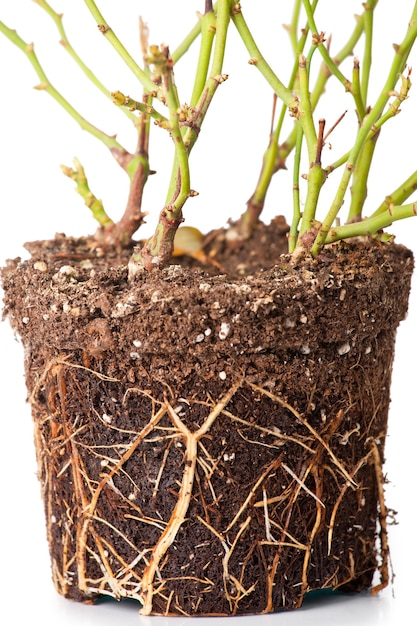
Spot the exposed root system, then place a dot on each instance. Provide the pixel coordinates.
(210, 446)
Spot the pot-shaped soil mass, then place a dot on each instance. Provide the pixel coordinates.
(211, 445)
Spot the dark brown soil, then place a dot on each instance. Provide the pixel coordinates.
(211, 444)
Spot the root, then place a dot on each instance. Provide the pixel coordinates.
(261, 529)
(179, 513)
(310, 428)
(383, 515)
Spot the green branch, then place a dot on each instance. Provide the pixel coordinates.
(121, 100)
(397, 197)
(367, 51)
(372, 225)
(45, 85)
(292, 28)
(356, 91)
(400, 58)
(64, 41)
(319, 40)
(296, 215)
(275, 155)
(260, 63)
(208, 31)
(158, 249)
(90, 200)
(111, 37)
(359, 187)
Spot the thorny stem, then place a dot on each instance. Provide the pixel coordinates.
(346, 51)
(138, 166)
(255, 204)
(271, 157)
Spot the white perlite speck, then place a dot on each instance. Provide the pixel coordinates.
(224, 330)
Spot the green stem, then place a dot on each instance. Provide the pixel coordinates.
(372, 225)
(359, 188)
(215, 75)
(255, 204)
(293, 235)
(280, 153)
(64, 41)
(398, 196)
(336, 164)
(111, 37)
(292, 29)
(305, 109)
(394, 106)
(315, 144)
(90, 200)
(361, 173)
(401, 54)
(208, 30)
(158, 249)
(323, 50)
(121, 100)
(46, 86)
(356, 91)
(347, 50)
(367, 52)
(259, 62)
(187, 42)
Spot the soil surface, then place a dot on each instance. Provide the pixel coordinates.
(211, 444)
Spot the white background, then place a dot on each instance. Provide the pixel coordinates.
(37, 200)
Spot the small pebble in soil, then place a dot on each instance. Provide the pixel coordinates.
(40, 266)
(344, 348)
